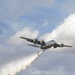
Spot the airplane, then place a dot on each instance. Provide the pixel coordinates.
(44, 45)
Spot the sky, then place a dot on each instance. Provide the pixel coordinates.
(47, 19)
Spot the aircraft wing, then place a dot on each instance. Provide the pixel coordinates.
(62, 45)
(66, 46)
(30, 40)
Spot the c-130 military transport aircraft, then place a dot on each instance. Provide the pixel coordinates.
(44, 45)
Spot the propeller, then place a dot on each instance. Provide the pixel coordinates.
(36, 40)
(55, 45)
(61, 45)
(43, 43)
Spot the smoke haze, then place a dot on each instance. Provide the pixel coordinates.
(16, 66)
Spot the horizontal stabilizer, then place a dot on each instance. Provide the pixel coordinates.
(33, 45)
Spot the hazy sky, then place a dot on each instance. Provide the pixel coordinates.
(50, 19)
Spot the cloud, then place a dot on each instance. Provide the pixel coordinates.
(26, 32)
(13, 9)
(45, 23)
(58, 71)
(69, 6)
(63, 32)
(44, 3)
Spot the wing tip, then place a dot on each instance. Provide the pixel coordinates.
(67, 46)
(21, 37)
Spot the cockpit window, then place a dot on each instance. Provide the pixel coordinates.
(51, 42)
